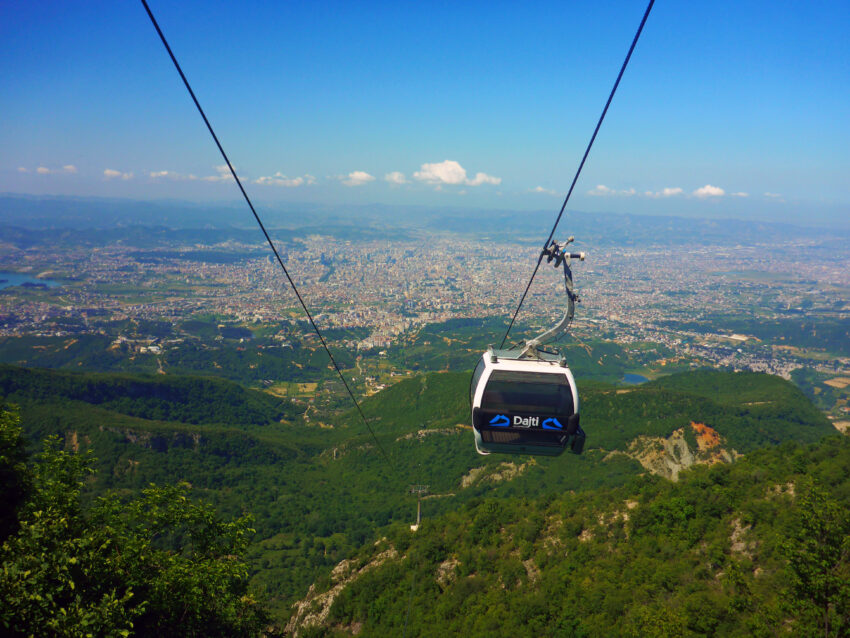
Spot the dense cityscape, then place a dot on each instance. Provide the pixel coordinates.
(668, 296)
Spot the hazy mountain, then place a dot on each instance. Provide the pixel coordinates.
(31, 219)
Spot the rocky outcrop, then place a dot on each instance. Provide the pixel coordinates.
(314, 609)
(156, 441)
(504, 471)
(669, 456)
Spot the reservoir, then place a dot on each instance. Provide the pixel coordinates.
(634, 379)
(9, 279)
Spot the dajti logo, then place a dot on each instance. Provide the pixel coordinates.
(526, 422)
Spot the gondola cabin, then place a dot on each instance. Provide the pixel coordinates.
(524, 405)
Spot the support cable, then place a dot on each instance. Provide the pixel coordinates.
(266, 234)
(580, 166)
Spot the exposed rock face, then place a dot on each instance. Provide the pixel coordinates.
(505, 471)
(667, 457)
(314, 609)
(158, 442)
(446, 571)
(421, 434)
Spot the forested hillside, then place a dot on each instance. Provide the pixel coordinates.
(756, 548)
(319, 489)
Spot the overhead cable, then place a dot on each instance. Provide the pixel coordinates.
(580, 166)
(266, 234)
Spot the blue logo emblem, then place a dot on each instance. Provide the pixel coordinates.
(500, 420)
(552, 424)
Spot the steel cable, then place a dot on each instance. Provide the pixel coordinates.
(580, 166)
(266, 234)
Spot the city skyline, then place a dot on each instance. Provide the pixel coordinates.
(736, 114)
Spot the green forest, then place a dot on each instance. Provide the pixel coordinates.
(756, 548)
(318, 492)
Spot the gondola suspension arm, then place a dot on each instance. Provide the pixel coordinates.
(555, 252)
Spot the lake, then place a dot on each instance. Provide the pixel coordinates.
(634, 379)
(9, 279)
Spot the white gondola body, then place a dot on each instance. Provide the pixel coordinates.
(524, 405)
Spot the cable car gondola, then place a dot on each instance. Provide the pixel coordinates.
(524, 400)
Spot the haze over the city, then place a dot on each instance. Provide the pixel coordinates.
(733, 110)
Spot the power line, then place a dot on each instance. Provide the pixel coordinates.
(580, 166)
(266, 234)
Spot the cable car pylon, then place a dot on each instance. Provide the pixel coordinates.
(419, 490)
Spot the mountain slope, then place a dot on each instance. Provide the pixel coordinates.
(708, 555)
(318, 492)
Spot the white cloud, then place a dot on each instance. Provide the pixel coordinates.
(773, 195)
(171, 175)
(451, 172)
(279, 179)
(601, 191)
(709, 191)
(43, 170)
(396, 177)
(484, 178)
(112, 174)
(545, 191)
(665, 192)
(604, 191)
(23, 169)
(740, 194)
(357, 178)
(446, 172)
(223, 175)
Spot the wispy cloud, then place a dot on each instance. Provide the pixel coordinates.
(709, 191)
(668, 192)
(279, 179)
(356, 178)
(23, 169)
(223, 175)
(483, 178)
(544, 191)
(604, 191)
(776, 197)
(600, 190)
(110, 173)
(451, 172)
(739, 194)
(396, 177)
(171, 175)
(43, 170)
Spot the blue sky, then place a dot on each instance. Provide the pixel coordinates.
(728, 109)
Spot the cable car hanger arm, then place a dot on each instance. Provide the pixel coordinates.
(555, 252)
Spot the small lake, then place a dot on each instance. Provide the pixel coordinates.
(634, 379)
(9, 279)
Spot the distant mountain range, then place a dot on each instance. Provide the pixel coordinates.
(31, 219)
